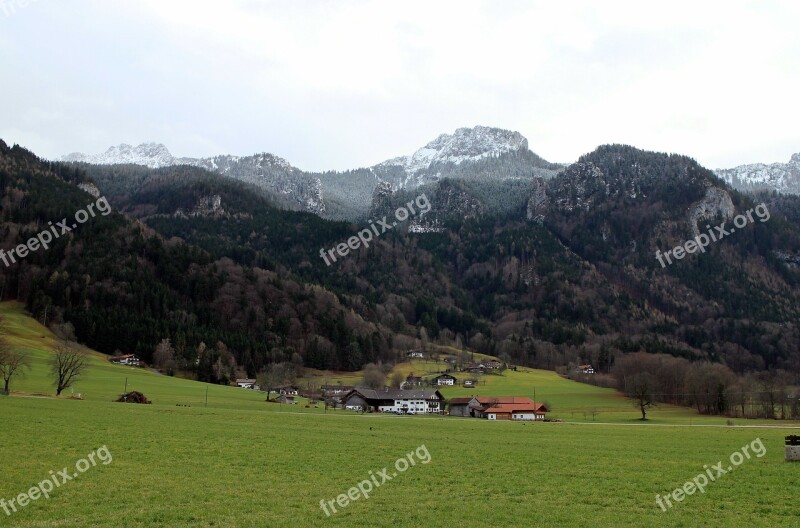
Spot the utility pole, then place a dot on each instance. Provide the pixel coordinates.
(126, 386)
(206, 395)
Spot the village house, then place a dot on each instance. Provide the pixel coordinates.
(498, 408)
(415, 401)
(584, 369)
(492, 364)
(289, 390)
(470, 383)
(411, 382)
(285, 398)
(246, 383)
(445, 379)
(127, 359)
(415, 354)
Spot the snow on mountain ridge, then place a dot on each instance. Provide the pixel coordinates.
(781, 177)
(466, 144)
(152, 155)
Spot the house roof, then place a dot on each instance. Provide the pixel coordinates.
(397, 394)
(445, 375)
(509, 408)
(491, 403)
(459, 401)
(245, 381)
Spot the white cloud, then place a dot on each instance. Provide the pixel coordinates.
(345, 84)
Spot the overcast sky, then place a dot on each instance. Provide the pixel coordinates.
(344, 84)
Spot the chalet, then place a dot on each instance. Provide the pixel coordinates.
(415, 401)
(127, 359)
(415, 354)
(246, 383)
(516, 411)
(493, 364)
(445, 379)
(506, 408)
(289, 390)
(285, 398)
(584, 369)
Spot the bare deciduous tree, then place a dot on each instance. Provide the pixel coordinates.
(639, 387)
(374, 377)
(275, 375)
(68, 363)
(164, 356)
(11, 363)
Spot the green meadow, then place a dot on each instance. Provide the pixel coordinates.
(242, 462)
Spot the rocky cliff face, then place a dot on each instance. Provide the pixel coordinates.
(206, 206)
(717, 202)
(781, 177)
(465, 145)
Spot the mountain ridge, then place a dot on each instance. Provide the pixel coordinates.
(752, 177)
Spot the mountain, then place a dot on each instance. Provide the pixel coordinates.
(292, 188)
(480, 154)
(487, 157)
(464, 146)
(542, 271)
(780, 177)
(151, 155)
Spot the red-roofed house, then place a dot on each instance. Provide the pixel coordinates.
(508, 408)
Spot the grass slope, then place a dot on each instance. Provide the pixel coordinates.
(243, 463)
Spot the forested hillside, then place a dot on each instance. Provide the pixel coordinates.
(546, 273)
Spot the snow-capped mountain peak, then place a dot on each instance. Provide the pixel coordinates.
(152, 155)
(781, 177)
(466, 144)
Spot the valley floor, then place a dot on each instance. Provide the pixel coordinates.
(241, 462)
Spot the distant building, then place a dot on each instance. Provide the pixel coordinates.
(246, 383)
(332, 390)
(459, 406)
(284, 398)
(414, 354)
(584, 369)
(289, 390)
(127, 359)
(498, 408)
(468, 384)
(445, 379)
(417, 401)
(412, 381)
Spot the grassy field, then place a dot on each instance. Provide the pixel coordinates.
(241, 462)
